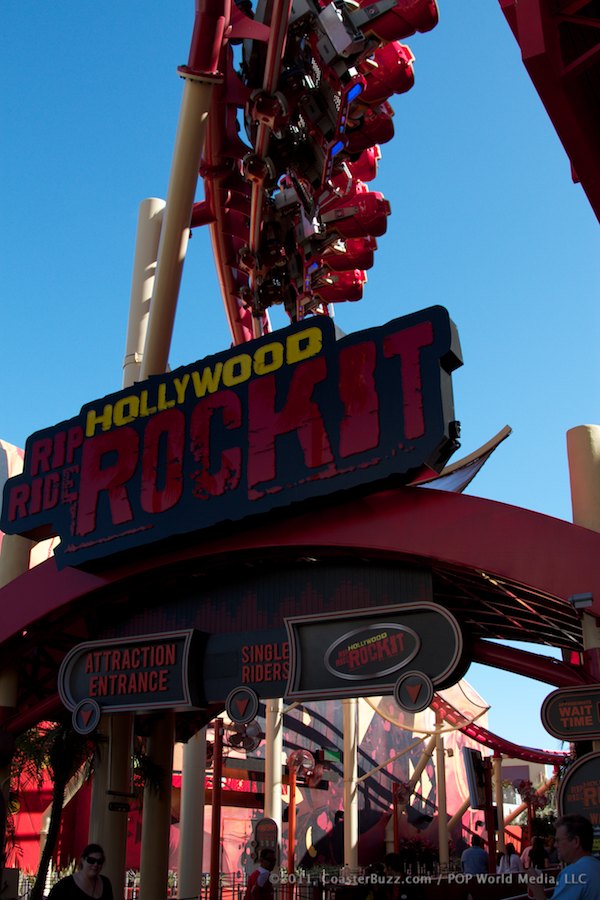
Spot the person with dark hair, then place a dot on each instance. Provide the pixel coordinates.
(474, 860)
(537, 853)
(87, 881)
(510, 862)
(580, 879)
(260, 886)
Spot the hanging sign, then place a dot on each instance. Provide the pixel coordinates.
(573, 714)
(360, 653)
(154, 671)
(291, 416)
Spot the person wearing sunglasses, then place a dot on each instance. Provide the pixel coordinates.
(87, 881)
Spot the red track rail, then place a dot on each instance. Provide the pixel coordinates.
(506, 748)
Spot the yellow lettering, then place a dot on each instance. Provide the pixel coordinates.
(161, 400)
(126, 410)
(303, 345)
(93, 419)
(208, 382)
(237, 369)
(268, 358)
(146, 410)
(180, 385)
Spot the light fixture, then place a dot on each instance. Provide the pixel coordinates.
(581, 601)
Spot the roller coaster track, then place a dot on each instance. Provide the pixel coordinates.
(292, 219)
(486, 738)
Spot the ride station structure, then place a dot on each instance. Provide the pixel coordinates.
(278, 526)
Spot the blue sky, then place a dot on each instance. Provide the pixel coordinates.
(485, 221)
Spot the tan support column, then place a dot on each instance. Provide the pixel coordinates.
(14, 557)
(350, 708)
(583, 447)
(189, 142)
(499, 796)
(156, 821)
(457, 817)
(273, 766)
(142, 283)
(100, 784)
(119, 792)
(440, 771)
(191, 822)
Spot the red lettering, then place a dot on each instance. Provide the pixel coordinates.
(97, 479)
(359, 427)
(299, 414)
(245, 654)
(246, 679)
(17, 502)
(122, 684)
(167, 430)
(50, 494)
(58, 450)
(163, 680)
(68, 492)
(74, 441)
(353, 659)
(407, 344)
(35, 503)
(227, 478)
(40, 455)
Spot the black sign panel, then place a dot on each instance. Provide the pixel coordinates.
(579, 793)
(258, 660)
(152, 671)
(573, 714)
(354, 654)
(289, 417)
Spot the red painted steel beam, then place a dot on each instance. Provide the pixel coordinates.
(565, 87)
(537, 551)
(532, 665)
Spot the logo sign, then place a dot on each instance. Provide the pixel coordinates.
(288, 417)
(149, 672)
(573, 714)
(372, 651)
(579, 793)
(354, 654)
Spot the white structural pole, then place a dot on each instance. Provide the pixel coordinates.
(440, 770)
(273, 761)
(583, 447)
(350, 707)
(174, 236)
(499, 794)
(191, 822)
(142, 283)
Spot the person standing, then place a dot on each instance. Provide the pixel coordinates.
(510, 862)
(580, 879)
(474, 860)
(260, 886)
(87, 881)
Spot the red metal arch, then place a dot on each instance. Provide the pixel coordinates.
(542, 553)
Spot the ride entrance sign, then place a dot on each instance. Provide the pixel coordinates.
(293, 416)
